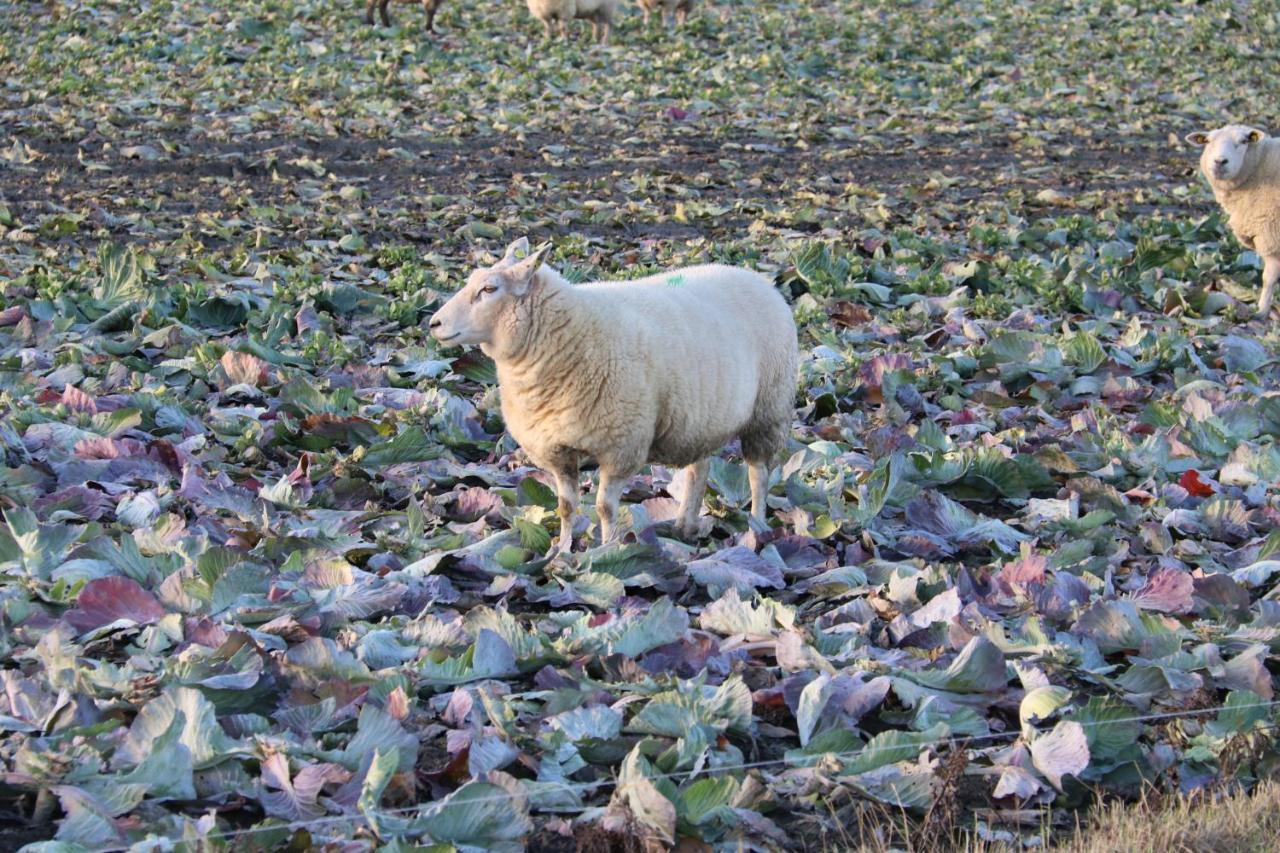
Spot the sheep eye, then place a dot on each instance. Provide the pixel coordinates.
(489, 288)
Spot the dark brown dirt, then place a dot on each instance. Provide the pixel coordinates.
(765, 178)
(16, 835)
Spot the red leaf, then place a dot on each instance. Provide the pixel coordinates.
(872, 372)
(1194, 485)
(1029, 569)
(772, 698)
(105, 600)
(242, 368)
(1168, 591)
(78, 401)
(167, 453)
(677, 113)
(847, 314)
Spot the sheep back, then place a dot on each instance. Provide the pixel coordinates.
(567, 10)
(663, 369)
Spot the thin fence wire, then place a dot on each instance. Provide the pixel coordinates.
(582, 787)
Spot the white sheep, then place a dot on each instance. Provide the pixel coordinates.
(601, 13)
(663, 369)
(664, 8)
(1243, 167)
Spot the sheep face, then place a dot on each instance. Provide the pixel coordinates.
(1225, 150)
(478, 313)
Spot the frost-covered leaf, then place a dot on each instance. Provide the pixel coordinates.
(1062, 752)
(736, 567)
(979, 668)
(635, 793)
(937, 514)
(87, 821)
(1042, 702)
(296, 798)
(201, 734)
(730, 614)
(631, 633)
(479, 815)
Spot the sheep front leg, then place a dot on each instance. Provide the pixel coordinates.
(695, 487)
(758, 476)
(566, 507)
(1270, 275)
(431, 6)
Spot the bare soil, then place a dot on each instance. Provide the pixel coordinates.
(204, 176)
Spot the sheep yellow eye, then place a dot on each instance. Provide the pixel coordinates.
(489, 288)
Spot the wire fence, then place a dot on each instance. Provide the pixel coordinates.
(584, 787)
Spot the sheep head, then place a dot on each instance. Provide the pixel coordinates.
(1226, 150)
(483, 311)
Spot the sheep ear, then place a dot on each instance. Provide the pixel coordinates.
(516, 251)
(521, 273)
(1197, 138)
(1254, 136)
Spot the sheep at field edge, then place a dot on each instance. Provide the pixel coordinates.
(682, 8)
(1242, 165)
(664, 369)
(431, 7)
(601, 13)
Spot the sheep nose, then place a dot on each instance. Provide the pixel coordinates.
(434, 324)
(1221, 161)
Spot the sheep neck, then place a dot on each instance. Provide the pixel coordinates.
(540, 335)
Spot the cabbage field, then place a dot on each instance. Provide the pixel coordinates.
(273, 577)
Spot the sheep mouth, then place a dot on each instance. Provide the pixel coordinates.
(445, 340)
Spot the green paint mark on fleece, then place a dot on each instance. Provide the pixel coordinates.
(675, 280)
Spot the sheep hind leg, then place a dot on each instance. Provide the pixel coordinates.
(610, 492)
(566, 507)
(1270, 275)
(759, 446)
(695, 488)
(758, 476)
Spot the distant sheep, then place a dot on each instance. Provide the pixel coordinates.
(431, 7)
(664, 369)
(601, 13)
(1243, 167)
(665, 7)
